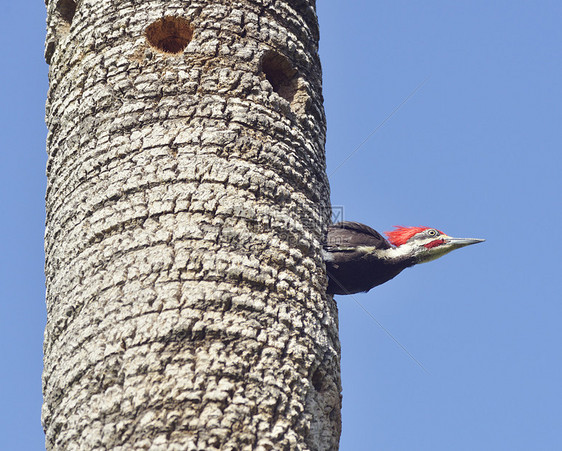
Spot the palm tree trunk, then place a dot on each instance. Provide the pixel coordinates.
(187, 197)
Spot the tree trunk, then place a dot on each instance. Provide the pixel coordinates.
(186, 203)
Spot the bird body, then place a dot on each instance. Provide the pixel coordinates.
(359, 258)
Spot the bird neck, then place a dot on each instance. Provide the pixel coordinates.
(406, 254)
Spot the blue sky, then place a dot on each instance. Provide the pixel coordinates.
(475, 152)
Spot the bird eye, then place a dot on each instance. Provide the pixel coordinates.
(432, 232)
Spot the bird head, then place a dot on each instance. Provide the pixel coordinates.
(426, 244)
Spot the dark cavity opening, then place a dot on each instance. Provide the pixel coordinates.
(66, 9)
(280, 74)
(317, 379)
(169, 34)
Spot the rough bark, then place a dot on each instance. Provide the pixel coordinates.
(187, 197)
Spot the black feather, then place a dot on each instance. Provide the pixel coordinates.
(347, 234)
(352, 261)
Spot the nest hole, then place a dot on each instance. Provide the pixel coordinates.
(169, 34)
(280, 74)
(66, 9)
(317, 380)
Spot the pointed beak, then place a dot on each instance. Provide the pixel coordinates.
(457, 243)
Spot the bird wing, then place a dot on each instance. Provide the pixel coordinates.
(347, 236)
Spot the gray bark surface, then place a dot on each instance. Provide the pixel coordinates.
(186, 201)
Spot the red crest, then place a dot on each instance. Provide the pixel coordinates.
(401, 234)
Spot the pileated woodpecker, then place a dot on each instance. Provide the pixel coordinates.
(358, 258)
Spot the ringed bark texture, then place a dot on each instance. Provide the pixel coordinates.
(186, 203)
